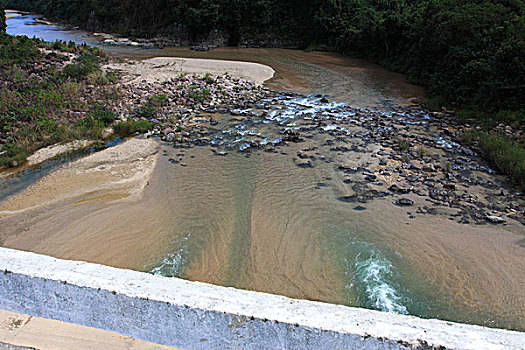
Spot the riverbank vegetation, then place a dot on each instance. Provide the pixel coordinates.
(47, 95)
(466, 52)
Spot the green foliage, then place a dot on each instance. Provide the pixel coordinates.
(146, 111)
(466, 52)
(149, 110)
(34, 108)
(17, 50)
(2, 19)
(403, 144)
(208, 78)
(199, 95)
(158, 100)
(508, 156)
(106, 117)
(88, 127)
(84, 66)
(131, 127)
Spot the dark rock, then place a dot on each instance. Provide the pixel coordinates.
(305, 165)
(359, 208)
(349, 199)
(291, 136)
(348, 168)
(449, 186)
(405, 202)
(302, 155)
(371, 177)
(398, 189)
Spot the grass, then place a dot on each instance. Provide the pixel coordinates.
(18, 50)
(488, 120)
(149, 110)
(199, 95)
(403, 144)
(502, 151)
(506, 155)
(208, 79)
(131, 127)
(84, 66)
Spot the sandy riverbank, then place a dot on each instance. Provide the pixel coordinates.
(49, 152)
(164, 68)
(90, 209)
(121, 171)
(12, 14)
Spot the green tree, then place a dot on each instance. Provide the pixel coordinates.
(3, 24)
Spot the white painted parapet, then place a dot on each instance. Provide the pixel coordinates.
(201, 316)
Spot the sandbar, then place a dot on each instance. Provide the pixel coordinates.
(161, 69)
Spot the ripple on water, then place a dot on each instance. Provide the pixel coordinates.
(373, 276)
(174, 264)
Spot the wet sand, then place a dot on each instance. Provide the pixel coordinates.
(12, 14)
(49, 152)
(88, 209)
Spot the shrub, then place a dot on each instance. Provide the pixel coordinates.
(131, 127)
(146, 111)
(158, 100)
(18, 50)
(97, 77)
(507, 155)
(199, 95)
(83, 66)
(104, 116)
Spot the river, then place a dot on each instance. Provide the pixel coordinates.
(272, 222)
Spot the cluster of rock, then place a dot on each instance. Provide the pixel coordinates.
(408, 155)
(185, 98)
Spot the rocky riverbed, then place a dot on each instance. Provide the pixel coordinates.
(412, 156)
(287, 193)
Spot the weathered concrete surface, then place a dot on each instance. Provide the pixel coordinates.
(200, 316)
(21, 332)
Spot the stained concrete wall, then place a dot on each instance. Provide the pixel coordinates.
(201, 316)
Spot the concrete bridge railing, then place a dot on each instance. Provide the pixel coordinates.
(201, 316)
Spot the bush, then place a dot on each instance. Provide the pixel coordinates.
(18, 50)
(199, 95)
(84, 65)
(146, 111)
(158, 100)
(508, 156)
(106, 117)
(131, 127)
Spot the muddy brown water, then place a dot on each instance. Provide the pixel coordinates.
(258, 221)
(355, 81)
